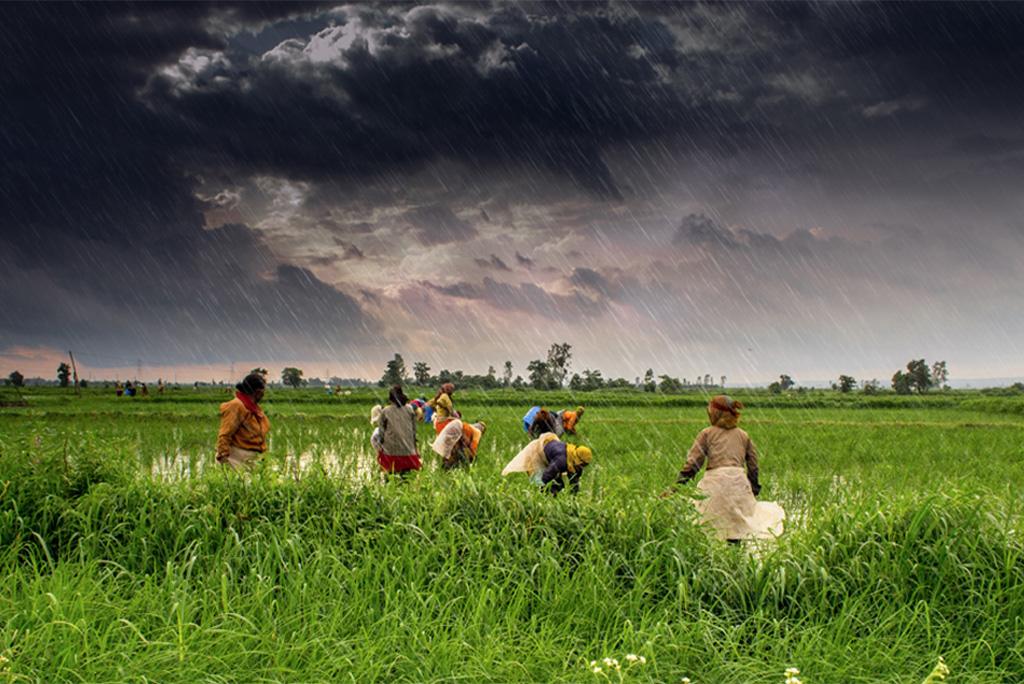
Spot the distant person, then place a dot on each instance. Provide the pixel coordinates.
(538, 420)
(570, 419)
(731, 481)
(129, 389)
(243, 425)
(145, 389)
(549, 462)
(397, 425)
(160, 386)
(443, 406)
(118, 389)
(375, 440)
(457, 443)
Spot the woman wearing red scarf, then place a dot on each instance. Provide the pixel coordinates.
(243, 425)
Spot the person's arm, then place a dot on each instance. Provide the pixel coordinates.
(751, 458)
(230, 419)
(574, 480)
(694, 459)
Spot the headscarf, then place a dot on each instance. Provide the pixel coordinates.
(577, 456)
(397, 397)
(724, 412)
(375, 414)
(252, 383)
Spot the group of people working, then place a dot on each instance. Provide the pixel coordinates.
(730, 484)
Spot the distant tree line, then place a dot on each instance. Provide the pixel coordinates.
(554, 371)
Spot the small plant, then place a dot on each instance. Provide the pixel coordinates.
(607, 667)
(938, 674)
(792, 675)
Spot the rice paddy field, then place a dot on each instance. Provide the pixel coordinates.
(127, 555)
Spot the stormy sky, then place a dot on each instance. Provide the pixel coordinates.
(735, 189)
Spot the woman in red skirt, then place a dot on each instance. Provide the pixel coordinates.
(397, 425)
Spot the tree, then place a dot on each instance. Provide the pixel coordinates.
(775, 388)
(707, 379)
(785, 382)
(394, 373)
(518, 383)
(919, 375)
(871, 387)
(540, 375)
(63, 374)
(507, 376)
(292, 377)
(846, 384)
(559, 358)
(16, 379)
(940, 375)
(576, 383)
(649, 384)
(592, 380)
(421, 372)
(722, 383)
(669, 385)
(901, 382)
(83, 383)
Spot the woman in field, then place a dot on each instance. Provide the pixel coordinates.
(243, 425)
(731, 481)
(570, 419)
(457, 443)
(397, 425)
(549, 461)
(444, 408)
(538, 420)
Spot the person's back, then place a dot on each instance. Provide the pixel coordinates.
(398, 430)
(724, 448)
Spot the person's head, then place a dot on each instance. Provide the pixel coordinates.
(253, 385)
(724, 411)
(579, 411)
(397, 396)
(577, 457)
(481, 426)
(448, 388)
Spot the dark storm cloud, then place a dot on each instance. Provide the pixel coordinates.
(437, 224)
(117, 117)
(493, 263)
(524, 261)
(103, 237)
(525, 297)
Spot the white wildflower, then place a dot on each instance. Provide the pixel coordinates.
(632, 657)
(595, 670)
(643, 660)
(684, 680)
(792, 671)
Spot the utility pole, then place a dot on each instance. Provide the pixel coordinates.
(138, 369)
(231, 376)
(74, 372)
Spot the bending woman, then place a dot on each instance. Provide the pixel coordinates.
(549, 461)
(457, 443)
(397, 425)
(444, 408)
(243, 425)
(731, 481)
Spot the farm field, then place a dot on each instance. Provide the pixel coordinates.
(126, 554)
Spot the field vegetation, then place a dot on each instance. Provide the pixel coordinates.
(126, 554)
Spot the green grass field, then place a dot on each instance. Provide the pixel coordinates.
(127, 555)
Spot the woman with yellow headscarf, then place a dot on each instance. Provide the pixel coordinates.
(731, 481)
(549, 462)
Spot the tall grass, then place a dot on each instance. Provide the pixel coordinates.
(895, 555)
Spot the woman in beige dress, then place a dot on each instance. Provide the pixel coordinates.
(730, 483)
